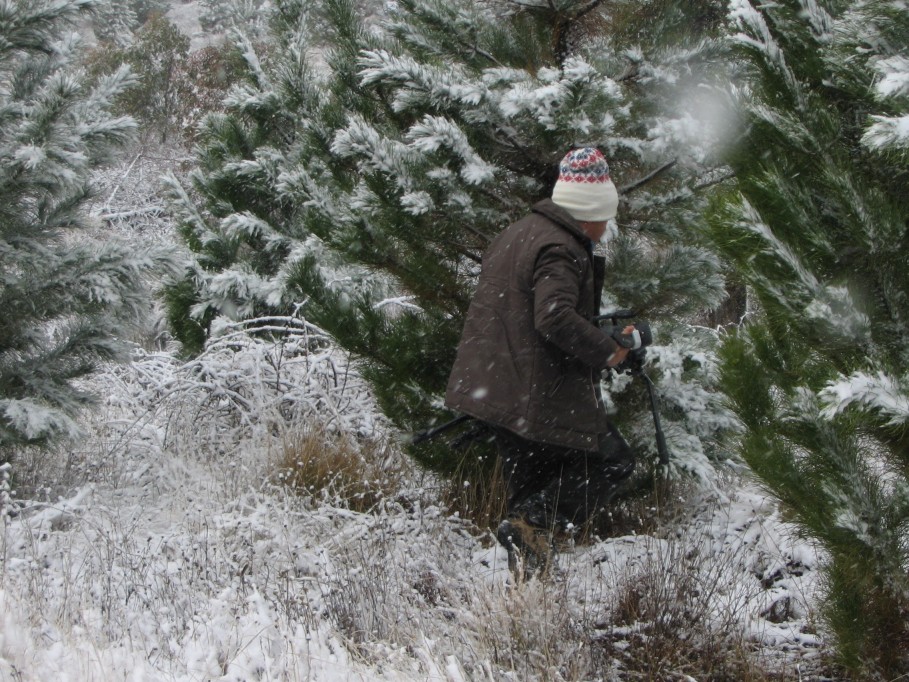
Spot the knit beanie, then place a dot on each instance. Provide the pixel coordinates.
(584, 188)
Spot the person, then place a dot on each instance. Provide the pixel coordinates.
(529, 361)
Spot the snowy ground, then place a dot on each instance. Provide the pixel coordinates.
(178, 559)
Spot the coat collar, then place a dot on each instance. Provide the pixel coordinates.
(562, 218)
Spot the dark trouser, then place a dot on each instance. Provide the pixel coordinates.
(551, 486)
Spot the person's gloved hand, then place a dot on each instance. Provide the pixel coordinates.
(633, 361)
(621, 354)
(632, 336)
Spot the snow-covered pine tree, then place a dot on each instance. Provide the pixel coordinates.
(65, 299)
(224, 15)
(360, 174)
(818, 376)
(115, 21)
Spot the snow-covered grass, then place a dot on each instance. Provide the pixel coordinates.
(167, 548)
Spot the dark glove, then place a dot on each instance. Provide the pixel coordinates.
(639, 337)
(632, 363)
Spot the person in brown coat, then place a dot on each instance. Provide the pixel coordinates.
(529, 360)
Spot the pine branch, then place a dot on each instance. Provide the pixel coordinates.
(702, 186)
(503, 201)
(530, 5)
(480, 51)
(470, 255)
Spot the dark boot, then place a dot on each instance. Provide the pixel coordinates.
(529, 548)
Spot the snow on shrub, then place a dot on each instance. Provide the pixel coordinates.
(256, 381)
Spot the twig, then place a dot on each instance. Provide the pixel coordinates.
(586, 10)
(117, 188)
(478, 233)
(717, 181)
(627, 189)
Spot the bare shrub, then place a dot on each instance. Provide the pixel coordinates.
(535, 633)
(665, 624)
(255, 382)
(680, 609)
(183, 546)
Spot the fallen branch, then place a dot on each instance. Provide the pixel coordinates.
(117, 188)
(150, 210)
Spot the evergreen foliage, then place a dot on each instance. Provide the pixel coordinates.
(360, 184)
(223, 15)
(819, 231)
(115, 22)
(65, 299)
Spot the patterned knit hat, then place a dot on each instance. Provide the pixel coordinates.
(584, 188)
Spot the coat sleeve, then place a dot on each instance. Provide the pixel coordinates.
(557, 285)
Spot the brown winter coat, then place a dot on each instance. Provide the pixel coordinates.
(529, 357)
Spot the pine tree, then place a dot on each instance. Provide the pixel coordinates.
(65, 299)
(116, 21)
(819, 230)
(225, 15)
(364, 191)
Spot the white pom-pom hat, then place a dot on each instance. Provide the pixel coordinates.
(584, 187)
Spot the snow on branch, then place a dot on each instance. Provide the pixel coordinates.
(245, 224)
(755, 34)
(887, 132)
(433, 132)
(836, 307)
(784, 276)
(106, 91)
(255, 381)
(398, 301)
(890, 133)
(236, 292)
(248, 50)
(750, 220)
(419, 82)
(37, 421)
(820, 21)
(559, 98)
(894, 73)
(360, 139)
(887, 395)
(183, 207)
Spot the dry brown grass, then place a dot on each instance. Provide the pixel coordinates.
(477, 492)
(339, 470)
(664, 630)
